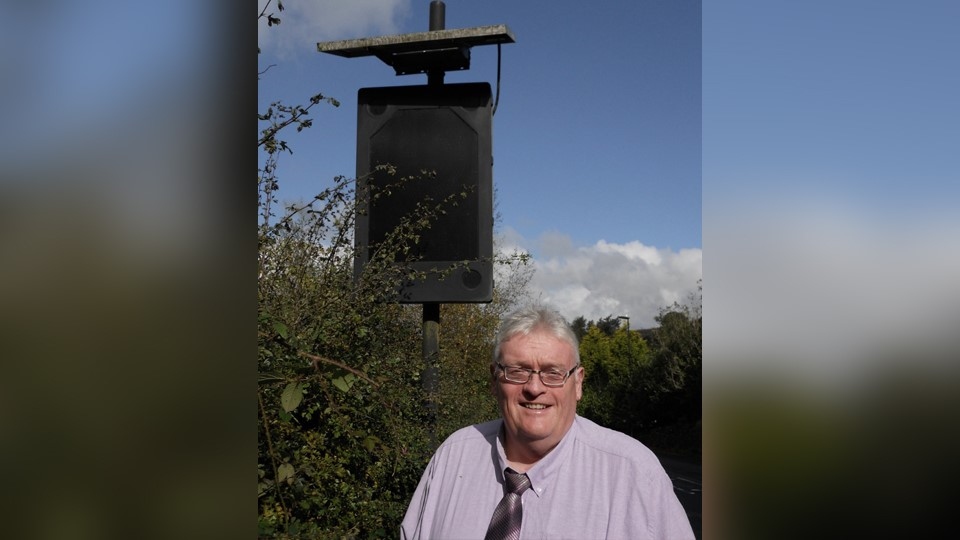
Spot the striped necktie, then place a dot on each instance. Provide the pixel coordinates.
(505, 523)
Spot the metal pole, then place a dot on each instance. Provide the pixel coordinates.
(438, 13)
(438, 16)
(431, 310)
(431, 356)
(629, 341)
(629, 338)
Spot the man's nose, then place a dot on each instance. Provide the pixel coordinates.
(534, 385)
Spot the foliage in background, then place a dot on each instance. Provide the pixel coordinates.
(648, 387)
(615, 366)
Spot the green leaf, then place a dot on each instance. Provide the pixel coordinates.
(344, 383)
(281, 329)
(370, 442)
(285, 472)
(292, 396)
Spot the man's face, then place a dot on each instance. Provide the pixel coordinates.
(535, 416)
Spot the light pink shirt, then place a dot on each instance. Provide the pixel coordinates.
(596, 483)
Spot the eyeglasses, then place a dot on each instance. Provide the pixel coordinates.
(520, 375)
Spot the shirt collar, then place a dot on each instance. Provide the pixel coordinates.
(543, 472)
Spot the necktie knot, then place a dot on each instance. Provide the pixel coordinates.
(516, 482)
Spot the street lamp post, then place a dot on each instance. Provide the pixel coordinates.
(629, 341)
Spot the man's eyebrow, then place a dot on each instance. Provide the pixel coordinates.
(544, 366)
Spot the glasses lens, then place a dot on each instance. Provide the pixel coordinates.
(522, 375)
(516, 374)
(552, 377)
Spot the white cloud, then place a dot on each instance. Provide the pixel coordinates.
(306, 22)
(632, 279)
(632, 250)
(829, 292)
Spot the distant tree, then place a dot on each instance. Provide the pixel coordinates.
(608, 325)
(616, 368)
(676, 375)
(579, 326)
(600, 368)
(678, 360)
(647, 382)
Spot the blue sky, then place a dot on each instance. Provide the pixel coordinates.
(596, 134)
(852, 97)
(831, 181)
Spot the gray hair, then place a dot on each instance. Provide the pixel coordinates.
(525, 320)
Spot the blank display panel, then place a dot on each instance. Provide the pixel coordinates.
(437, 139)
(436, 151)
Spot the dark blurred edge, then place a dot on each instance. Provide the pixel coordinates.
(129, 316)
(784, 460)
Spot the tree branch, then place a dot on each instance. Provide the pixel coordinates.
(259, 73)
(273, 458)
(316, 360)
(264, 10)
(295, 114)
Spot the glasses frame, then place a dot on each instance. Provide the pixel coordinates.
(530, 372)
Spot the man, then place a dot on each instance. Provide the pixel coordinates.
(541, 471)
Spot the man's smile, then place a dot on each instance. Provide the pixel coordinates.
(534, 406)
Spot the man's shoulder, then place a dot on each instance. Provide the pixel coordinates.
(486, 431)
(462, 455)
(597, 438)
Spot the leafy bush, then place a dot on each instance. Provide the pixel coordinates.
(344, 429)
(648, 388)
